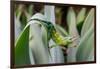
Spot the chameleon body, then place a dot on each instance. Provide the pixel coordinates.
(53, 34)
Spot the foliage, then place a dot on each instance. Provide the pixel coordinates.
(40, 40)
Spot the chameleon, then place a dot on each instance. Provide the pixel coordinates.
(54, 35)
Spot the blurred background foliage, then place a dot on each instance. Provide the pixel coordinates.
(24, 11)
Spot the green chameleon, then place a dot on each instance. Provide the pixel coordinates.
(54, 35)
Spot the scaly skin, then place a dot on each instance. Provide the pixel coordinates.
(60, 40)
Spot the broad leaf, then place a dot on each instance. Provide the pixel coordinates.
(86, 46)
(22, 48)
(81, 15)
(38, 43)
(88, 22)
(80, 19)
(71, 20)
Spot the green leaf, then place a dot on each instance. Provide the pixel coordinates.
(81, 16)
(39, 50)
(45, 38)
(80, 19)
(86, 46)
(71, 20)
(44, 35)
(38, 44)
(22, 48)
(88, 22)
(30, 9)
